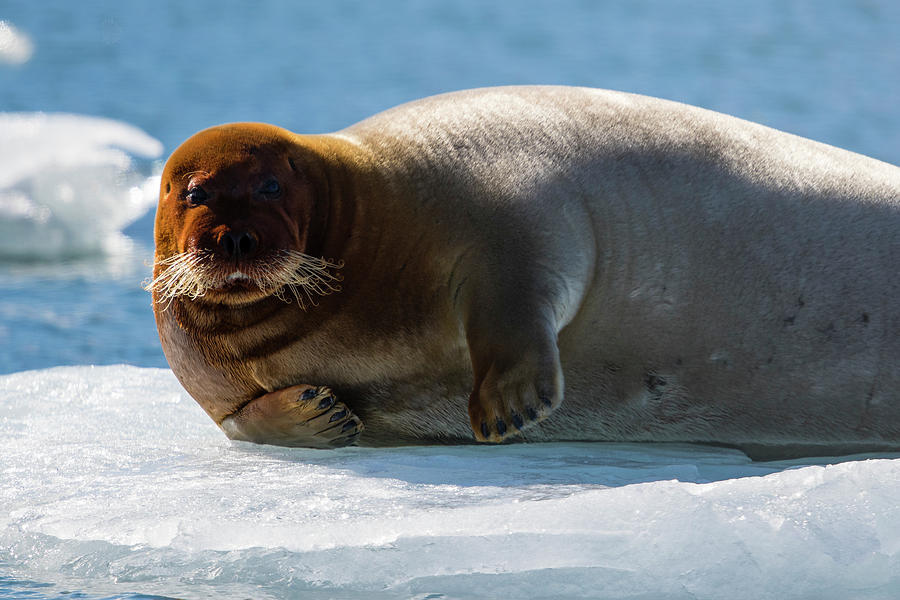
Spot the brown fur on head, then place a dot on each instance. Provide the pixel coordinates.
(240, 217)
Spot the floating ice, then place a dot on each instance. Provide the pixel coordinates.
(68, 185)
(114, 482)
(15, 47)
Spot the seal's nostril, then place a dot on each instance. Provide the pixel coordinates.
(238, 245)
(228, 244)
(246, 244)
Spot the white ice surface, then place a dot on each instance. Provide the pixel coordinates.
(113, 481)
(68, 185)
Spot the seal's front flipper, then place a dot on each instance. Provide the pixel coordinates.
(518, 376)
(299, 416)
(511, 396)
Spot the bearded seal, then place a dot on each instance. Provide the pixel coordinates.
(557, 263)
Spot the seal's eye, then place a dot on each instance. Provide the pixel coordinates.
(196, 195)
(270, 188)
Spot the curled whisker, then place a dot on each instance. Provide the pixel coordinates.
(303, 277)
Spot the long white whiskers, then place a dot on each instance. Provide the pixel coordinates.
(286, 275)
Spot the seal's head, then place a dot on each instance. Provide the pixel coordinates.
(240, 218)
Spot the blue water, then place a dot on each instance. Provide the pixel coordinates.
(824, 70)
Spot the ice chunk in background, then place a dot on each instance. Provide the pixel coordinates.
(114, 482)
(68, 184)
(15, 47)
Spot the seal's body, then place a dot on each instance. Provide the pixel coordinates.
(641, 269)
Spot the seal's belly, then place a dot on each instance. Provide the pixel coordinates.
(634, 373)
(819, 374)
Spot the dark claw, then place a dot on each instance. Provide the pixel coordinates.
(546, 401)
(501, 427)
(518, 423)
(484, 430)
(348, 425)
(338, 415)
(326, 402)
(308, 394)
(532, 414)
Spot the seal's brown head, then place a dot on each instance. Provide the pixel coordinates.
(241, 212)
